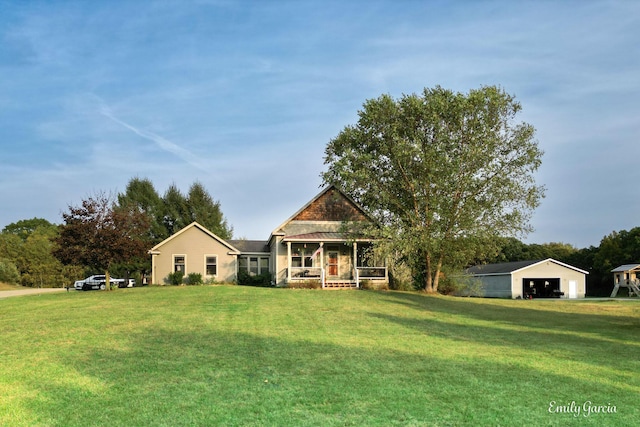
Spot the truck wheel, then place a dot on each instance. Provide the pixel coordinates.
(103, 287)
(85, 287)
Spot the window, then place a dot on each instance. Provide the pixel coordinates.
(303, 256)
(308, 260)
(296, 256)
(179, 263)
(211, 265)
(253, 264)
(264, 265)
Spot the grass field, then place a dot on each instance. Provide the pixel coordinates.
(228, 355)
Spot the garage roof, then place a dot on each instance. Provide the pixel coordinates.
(512, 267)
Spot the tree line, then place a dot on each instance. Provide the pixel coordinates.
(448, 177)
(26, 256)
(104, 233)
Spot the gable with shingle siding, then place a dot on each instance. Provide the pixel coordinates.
(332, 205)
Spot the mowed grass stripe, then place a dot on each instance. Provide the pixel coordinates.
(228, 355)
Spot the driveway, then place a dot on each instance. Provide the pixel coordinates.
(36, 291)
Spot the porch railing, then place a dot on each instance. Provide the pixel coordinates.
(306, 272)
(372, 273)
(358, 274)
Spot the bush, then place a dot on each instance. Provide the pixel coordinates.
(465, 286)
(400, 278)
(194, 279)
(305, 284)
(374, 285)
(9, 272)
(175, 278)
(213, 281)
(262, 280)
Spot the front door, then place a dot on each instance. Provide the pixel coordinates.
(332, 263)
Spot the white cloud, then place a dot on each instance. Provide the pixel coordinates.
(161, 142)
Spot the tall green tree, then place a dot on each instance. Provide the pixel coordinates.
(28, 244)
(207, 212)
(197, 205)
(96, 235)
(10, 246)
(38, 267)
(176, 210)
(25, 227)
(446, 174)
(141, 194)
(618, 248)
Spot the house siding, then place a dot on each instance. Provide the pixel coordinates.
(331, 206)
(194, 244)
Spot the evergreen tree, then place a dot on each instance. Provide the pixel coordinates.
(142, 195)
(176, 210)
(207, 212)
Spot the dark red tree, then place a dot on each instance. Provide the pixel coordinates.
(97, 235)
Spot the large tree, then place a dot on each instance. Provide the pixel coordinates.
(140, 194)
(206, 211)
(446, 174)
(28, 244)
(96, 235)
(174, 211)
(25, 227)
(197, 205)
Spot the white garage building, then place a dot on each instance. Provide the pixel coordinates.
(546, 278)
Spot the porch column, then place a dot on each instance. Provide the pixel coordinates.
(386, 270)
(322, 263)
(288, 262)
(355, 264)
(275, 262)
(153, 269)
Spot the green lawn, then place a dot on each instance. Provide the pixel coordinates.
(228, 355)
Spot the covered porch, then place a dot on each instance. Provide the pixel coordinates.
(332, 260)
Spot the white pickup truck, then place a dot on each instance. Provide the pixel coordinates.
(99, 281)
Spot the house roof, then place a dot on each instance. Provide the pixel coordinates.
(244, 245)
(278, 229)
(320, 236)
(626, 267)
(512, 267)
(194, 224)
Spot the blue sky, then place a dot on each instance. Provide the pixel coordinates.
(243, 96)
